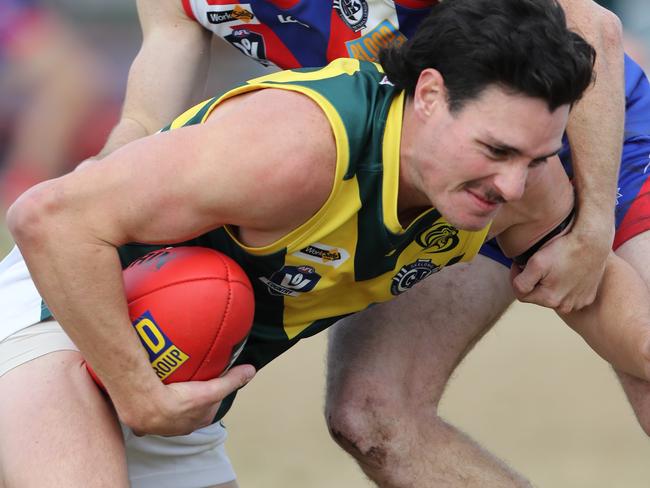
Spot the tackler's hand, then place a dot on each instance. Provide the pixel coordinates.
(565, 273)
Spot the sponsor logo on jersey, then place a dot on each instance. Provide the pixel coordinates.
(411, 274)
(292, 281)
(227, 13)
(164, 356)
(324, 254)
(367, 47)
(353, 12)
(250, 43)
(290, 19)
(386, 81)
(441, 237)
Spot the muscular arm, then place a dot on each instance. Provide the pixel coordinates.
(617, 323)
(547, 200)
(595, 132)
(167, 188)
(167, 75)
(595, 126)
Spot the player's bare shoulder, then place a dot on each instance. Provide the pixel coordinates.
(288, 149)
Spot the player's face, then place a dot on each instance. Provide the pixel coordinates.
(480, 157)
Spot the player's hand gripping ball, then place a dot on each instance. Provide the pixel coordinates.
(192, 308)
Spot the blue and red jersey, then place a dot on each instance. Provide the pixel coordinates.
(299, 33)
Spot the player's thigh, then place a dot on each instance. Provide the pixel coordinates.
(413, 343)
(636, 251)
(57, 429)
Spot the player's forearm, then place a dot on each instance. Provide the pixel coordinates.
(617, 324)
(167, 76)
(147, 110)
(595, 128)
(547, 201)
(127, 130)
(79, 277)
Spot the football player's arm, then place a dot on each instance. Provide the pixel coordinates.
(167, 75)
(547, 200)
(167, 188)
(595, 132)
(617, 324)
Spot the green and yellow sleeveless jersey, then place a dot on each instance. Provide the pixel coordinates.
(353, 252)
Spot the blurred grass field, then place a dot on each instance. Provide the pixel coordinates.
(532, 392)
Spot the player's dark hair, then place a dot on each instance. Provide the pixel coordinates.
(521, 45)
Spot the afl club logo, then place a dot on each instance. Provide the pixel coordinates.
(411, 274)
(292, 281)
(439, 238)
(250, 43)
(353, 12)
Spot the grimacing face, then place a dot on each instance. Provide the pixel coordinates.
(467, 164)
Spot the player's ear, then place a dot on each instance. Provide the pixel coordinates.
(430, 93)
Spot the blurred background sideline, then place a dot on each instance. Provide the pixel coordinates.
(531, 391)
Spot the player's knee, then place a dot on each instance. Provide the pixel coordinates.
(375, 427)
(362, 428)
(384, 438)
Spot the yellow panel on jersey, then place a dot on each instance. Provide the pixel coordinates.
(200, 112)
(341, 66)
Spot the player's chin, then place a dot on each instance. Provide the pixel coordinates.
(471, 221)
(468, 212)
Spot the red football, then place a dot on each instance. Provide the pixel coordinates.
(192, 308)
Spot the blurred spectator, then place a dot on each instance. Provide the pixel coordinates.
(636, 21)
(54, 108)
